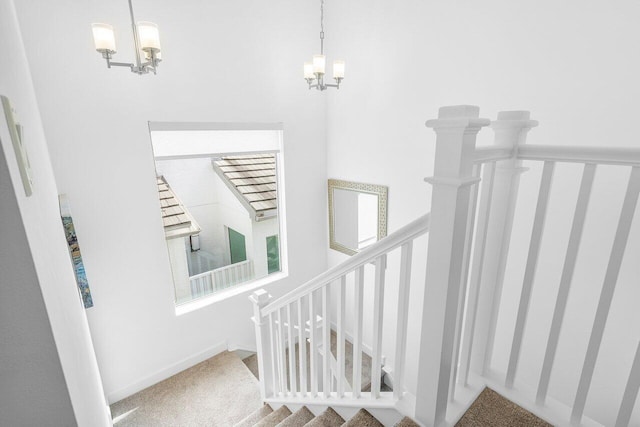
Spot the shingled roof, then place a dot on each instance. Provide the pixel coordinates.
(177, 220)
(252, 178)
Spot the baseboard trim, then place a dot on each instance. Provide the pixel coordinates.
(165, 373)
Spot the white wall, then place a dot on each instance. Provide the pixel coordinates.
(569, 63)
(48, 370)
(233, 61)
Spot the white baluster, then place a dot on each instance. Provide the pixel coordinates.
(476, 271)
(302, 349)
(261, 298)
(565, 279)
(403, 318)
(630, 392)
(378, 305)
(357, 332)
(326, 342)
(606, 296)
(340, 336)
(292, 353)
(511, 130)
(282, 368)
(471, 222)
(530, 270)
(313, 346)
(456, 129)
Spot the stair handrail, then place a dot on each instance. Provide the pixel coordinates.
(394, 240)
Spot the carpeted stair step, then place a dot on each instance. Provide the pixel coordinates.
(298, 419)
(363, 419)
(274, 418)
(406, 422)
(255, 416)
(490, 408)
(328, 418)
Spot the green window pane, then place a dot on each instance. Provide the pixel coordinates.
(237, 246)
(273, 254)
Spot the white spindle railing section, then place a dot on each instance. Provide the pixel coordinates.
(221, 278)
(308, 327)
(501, 168)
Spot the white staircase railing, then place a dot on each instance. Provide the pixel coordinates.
(289, 373)
(475, 191)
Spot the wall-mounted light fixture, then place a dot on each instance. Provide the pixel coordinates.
(146, 39)
(314, 71)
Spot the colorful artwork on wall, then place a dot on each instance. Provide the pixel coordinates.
(74, 251)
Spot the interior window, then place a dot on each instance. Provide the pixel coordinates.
(218, 209)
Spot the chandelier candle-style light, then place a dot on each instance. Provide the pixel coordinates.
(314, 71)
(146, 39)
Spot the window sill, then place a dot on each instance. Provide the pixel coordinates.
(191, 306)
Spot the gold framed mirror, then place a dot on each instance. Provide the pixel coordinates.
(357, 215)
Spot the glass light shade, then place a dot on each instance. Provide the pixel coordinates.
(149, 36)
(319, 64)
(104, 37)
(338, 69)
(308, 71)
(146, 54)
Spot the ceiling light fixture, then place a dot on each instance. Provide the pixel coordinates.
(146, 39)
(314, 71)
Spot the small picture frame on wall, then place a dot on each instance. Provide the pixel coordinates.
(16, 134)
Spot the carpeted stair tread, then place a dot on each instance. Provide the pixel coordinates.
(328, 418)
(252, 363)
(255, 416)
(299, 418)
(406, 422)
(363, 419)
(491, 409)
(274, 418)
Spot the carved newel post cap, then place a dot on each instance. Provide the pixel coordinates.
(261, 297)
(459, 111)
(514, 115)
(458, 117)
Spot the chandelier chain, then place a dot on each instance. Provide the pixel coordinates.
(321, 27)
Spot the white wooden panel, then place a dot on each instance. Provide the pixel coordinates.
(340, 336)
(606, 296)
(488, 175)
(565, 279)
(403, 318)
(292, 352)
(530, 270)
(378, 305)
(357, 332)
(630, 392)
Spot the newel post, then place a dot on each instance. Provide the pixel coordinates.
(510, 130)
(260, 299)
(456, 128)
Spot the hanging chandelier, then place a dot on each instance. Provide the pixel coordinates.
(314, 71)
(146, 39)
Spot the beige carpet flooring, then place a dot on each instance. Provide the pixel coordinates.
(220, 391)
(492, 410)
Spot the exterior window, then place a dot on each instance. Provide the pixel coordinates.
(273, 254)
(237, 247)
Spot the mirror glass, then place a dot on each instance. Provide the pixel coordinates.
(357, 215)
